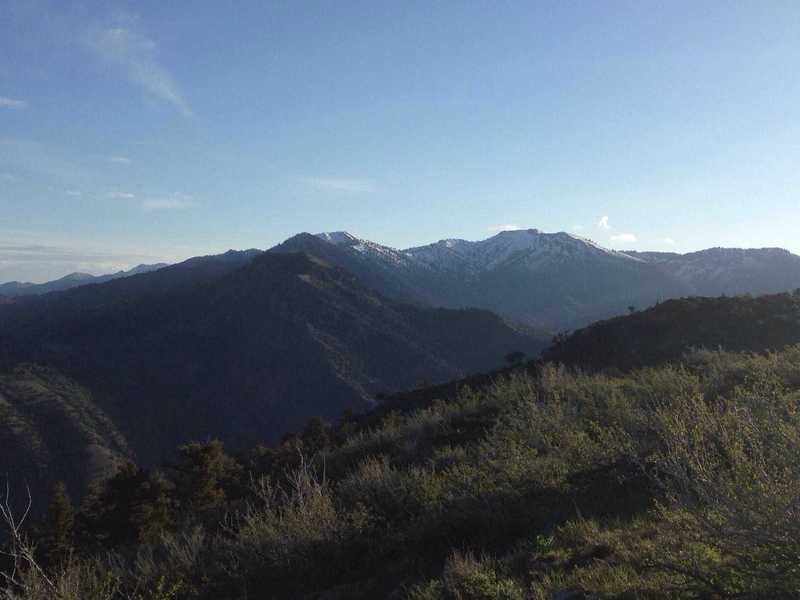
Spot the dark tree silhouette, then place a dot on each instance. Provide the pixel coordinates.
(59, 527)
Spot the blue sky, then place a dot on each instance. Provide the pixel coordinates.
(146, 131)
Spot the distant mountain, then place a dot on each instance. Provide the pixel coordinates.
(86, 299)
(667, 331)
(553, 280)
(730, 271)
(245, 348)
(17, 288)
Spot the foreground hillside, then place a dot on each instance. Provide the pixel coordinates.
(679, 481)
(245, 349)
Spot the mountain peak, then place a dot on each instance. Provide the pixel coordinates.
(77, 276)
(339, 238)
(517, 232)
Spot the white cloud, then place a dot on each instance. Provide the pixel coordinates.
(507, 227)
(340, 185)
(578, 228)
(603, 223)
(627, 238)
(122, 160)
(137, 55)
(6, 102)
(668, 241)
(120, 195)
(171, 202)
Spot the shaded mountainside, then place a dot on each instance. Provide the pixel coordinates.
(51, 429)
(668, 330)
(247, 354)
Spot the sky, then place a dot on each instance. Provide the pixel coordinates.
(151, 131)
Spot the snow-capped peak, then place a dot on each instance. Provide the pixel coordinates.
(339, 238)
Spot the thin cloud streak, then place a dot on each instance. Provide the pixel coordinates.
(137, 55)
(339, 185)
(120, 195)
(173, 202)
(6, 102)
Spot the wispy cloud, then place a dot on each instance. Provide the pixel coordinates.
(171, 202)
(121, 160)
(578, 228)
(8, 177)
(116, 195)
(73, 193)
(506, 227)
(340, 185)
(6, 102)
(603, 223)
(668, 241)
(627, 238)
(137, 55)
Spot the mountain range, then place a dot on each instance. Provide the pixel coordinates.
(553, 280)
(73, 280)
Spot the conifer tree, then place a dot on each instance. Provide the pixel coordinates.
(58, 537)
(204, 475)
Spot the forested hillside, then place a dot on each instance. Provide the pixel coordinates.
(667, 330)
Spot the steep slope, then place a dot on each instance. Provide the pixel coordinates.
(666, 331)
(17, 288)
(253, 353)
(382, 268)
(51, 429)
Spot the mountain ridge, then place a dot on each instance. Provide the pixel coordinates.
(71, 280)
(552, 280)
